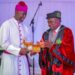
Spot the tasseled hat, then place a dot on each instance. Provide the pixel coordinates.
(21, 6)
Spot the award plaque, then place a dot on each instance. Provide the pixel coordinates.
(35, 47)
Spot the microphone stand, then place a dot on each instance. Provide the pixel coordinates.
(32, 25)
(32, 21)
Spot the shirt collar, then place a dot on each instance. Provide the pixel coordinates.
(57, 29)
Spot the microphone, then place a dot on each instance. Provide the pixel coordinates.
(40, 4)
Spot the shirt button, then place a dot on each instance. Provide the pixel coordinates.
(20, 34)
(19, 65)
(19, 69)
(19, 60)
(19, 74)
(19, 26)
(19, 30)
(20, 38)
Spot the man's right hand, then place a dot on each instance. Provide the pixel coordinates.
(23, 51)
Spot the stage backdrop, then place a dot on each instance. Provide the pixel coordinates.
(67, 8)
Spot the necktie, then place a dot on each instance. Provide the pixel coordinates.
(54, 33)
